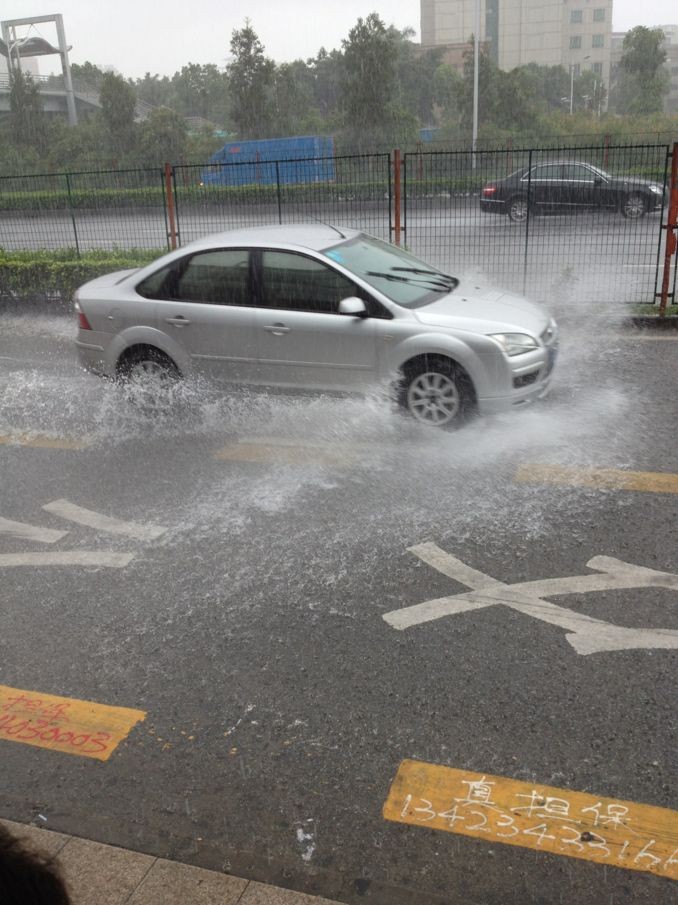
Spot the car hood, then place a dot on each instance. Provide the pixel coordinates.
(636, 182)
(470, 307)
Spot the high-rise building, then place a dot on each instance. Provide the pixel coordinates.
(574, 34)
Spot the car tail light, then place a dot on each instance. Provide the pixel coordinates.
(489, 190)
(83, 323)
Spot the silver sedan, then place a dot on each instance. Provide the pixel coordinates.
(315, 307)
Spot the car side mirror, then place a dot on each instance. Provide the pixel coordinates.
(353, 306)
(598, 180)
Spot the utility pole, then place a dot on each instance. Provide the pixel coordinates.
(476, 61)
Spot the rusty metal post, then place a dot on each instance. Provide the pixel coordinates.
(169, 194)
(671, 227)
(397, 195)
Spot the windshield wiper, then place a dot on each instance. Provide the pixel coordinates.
(454, 282)
(436, 284)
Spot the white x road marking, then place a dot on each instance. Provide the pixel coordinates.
(586, 634)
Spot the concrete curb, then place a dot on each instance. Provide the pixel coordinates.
(98, 874)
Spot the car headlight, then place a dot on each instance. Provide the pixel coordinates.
(515, 343)
(658, 190)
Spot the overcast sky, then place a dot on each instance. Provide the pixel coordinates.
(138, 36)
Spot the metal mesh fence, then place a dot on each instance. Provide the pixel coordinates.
(348, 191)
(569, 222)
(581, 221)
(114, 209)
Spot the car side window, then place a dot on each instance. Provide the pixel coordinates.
(212, 277)
(551, 171)
(298, 283)
(581, 174)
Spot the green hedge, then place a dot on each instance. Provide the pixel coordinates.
(327, 194)
(81, 199)
(30, 275)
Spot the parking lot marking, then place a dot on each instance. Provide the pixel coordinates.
(584, 633)
(38, 441)
(543, 818)
(91, 519)
(61, 724)
(30, 532)
(69, 558)
(600, 478)
(287, 453)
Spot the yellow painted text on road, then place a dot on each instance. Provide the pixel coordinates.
(601, 478)
(285, 454)
(543, 818)
(64, 724)
(39, 441)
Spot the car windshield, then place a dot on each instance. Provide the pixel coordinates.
(400, 276)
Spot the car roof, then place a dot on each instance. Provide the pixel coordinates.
(316, 236)
(561, 160)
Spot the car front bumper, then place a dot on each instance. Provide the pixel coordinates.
(528, 383)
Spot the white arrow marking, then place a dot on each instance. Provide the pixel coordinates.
(30, 532)
(70, 558)
(586, 634)
(73, 513)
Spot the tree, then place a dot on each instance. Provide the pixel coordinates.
(447, 90)
(250, 83)
(326, 70)
(200, 91)
(373, 114)
(154, 89)
(416, 75)
(295, 110)
(87, 76)
(643, 77)
(27, 116)
(163, 137)
(118, 102)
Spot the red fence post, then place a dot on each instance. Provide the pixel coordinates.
(671, 227)
(169, 190)
(396, 196)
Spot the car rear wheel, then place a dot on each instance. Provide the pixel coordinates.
(147, 364)
(437, 392)
(633, 206)
(517, 208)
(149, 376)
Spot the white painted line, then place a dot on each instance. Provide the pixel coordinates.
(30, 532)
(585, 634)
(91, 519)
(70, 558)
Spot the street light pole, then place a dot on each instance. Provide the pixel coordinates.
(571, 88)
(476, 30)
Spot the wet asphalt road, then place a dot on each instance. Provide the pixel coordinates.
(596, 255)
(279, 702)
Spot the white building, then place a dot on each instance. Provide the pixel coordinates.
(567, 33)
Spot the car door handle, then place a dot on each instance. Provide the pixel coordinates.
(277, 329)
(179, 321)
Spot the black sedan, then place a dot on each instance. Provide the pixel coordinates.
(561, 186)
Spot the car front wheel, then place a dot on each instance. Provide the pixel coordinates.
(437, 392)
(633, 206)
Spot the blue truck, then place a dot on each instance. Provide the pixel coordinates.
(289, 161)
